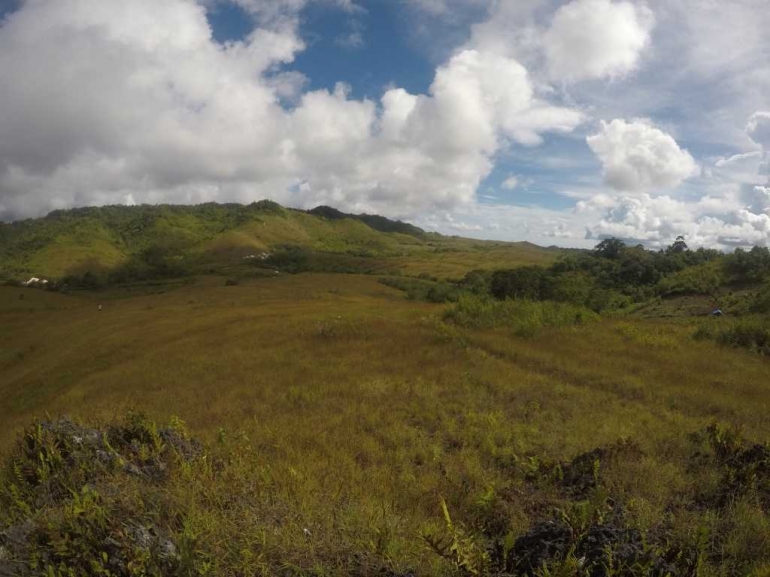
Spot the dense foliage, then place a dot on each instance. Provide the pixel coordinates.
(614, 275)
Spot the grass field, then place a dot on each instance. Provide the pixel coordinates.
(354, 412)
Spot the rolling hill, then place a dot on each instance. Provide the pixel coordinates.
(577, 418)
(208, 237)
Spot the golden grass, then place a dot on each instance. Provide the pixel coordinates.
(363, 409)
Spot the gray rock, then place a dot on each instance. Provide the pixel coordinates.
(132, 469)
(167, 550)
(141, 536)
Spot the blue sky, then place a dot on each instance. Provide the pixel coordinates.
(385, 53)
(558, 122)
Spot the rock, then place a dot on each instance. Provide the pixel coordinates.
(167, 550)
(187, 448)
(141, 536)
(132, 469)
(14, 549)
(104, 457)
(15, 537)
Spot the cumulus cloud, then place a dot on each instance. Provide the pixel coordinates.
(758, 128)
(655, 221)
(636, 156)
(733, 210)
(706, 90)
(596, 38)
(133, 101)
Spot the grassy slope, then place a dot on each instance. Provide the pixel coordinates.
(364, 409)
(221, 235)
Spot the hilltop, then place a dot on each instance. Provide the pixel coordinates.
(140, 242)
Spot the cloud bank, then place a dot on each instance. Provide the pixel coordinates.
(133, 101)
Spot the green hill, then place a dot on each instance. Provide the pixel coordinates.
(176, 240)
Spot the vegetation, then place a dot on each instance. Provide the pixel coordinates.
(424, 289)
(752, 333)
(107, 246)
(526, 318)
(421, 406)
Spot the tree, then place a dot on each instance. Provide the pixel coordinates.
(678, 247)
(520, 283)
(610, 248)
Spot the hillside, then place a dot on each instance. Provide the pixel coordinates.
(178, 240)
(437, 406)
(337, 417)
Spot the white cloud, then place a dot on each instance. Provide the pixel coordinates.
(498, 221)
(636, 156)
(277, 12)
(656, 221)
(133, 99)
(596, 38)
(758, 128)
(510, 183)
(738, 159)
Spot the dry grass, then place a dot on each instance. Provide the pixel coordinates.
(360, 409)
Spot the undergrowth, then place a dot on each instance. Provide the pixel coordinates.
(750, 333)
(131, 499)
(525, 318)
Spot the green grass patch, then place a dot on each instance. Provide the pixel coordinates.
(525, 318)
(750, 333)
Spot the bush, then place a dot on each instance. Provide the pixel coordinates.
(423, 290)
(761, 303)
(521, 283)
(525, 317)
(477, 281)
(749, 267)
(752, 334)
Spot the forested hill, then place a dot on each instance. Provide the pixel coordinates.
(141, 242)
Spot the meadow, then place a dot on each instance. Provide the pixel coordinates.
(349, 430)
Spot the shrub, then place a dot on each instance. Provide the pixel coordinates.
(423, 290)
(752, 334)
(761, 303)
(477, 281)
(522, 283)
(525, 317)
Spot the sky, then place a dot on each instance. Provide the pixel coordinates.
(556, 122)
